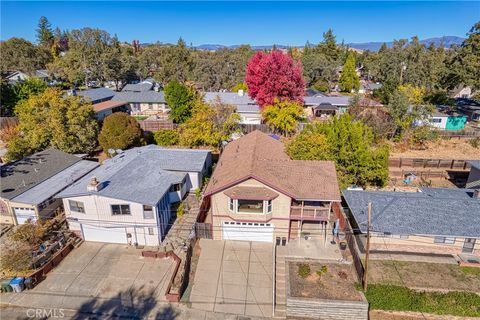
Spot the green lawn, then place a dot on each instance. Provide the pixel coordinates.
(390, 297)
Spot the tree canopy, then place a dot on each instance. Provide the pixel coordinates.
(349, 80)
(51, 120)
(274, 75)
(350, 145)
(119, 131)
(283, 116)
(181, 100)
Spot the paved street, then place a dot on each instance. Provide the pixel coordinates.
(234, 277)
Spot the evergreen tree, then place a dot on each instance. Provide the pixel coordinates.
(44, 32)
(349, 80)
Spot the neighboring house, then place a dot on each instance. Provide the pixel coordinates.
(106, 108)
(469, 107)
(369, 87)
(95, 95)
(473, 181)
(450, 122)
(138, 87)
(316, 105)
(257, 193)
(428, 222)
(17, 76)
(144, 102)
(461, 92)
(127, 199)
(247, 108)
(42, 74)
(29, 186)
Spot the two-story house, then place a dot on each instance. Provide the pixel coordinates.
(127, 199)
(258, 193)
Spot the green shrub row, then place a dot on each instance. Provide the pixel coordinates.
(389, 297)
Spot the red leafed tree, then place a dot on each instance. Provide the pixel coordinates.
(274, 75)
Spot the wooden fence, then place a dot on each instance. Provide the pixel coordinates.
(429, 163)
(459, 134)
(156, 125)
(347, 229)
(247, 128)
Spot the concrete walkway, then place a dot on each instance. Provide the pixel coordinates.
(234, 277)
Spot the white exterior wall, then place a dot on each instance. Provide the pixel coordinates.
(98, 213)
(250, 118)
(440, 125)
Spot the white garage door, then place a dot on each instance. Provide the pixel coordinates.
(99, 234)
(247, 231)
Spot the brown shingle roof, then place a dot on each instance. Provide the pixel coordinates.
(259, 156)
(251, 193)
(109, 104)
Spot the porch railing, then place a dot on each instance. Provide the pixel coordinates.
(309, 213)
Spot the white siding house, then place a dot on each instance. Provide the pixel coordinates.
(127, 199)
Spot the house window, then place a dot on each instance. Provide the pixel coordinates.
(76, 206)
(436, 120)
(175, 187)
(120, 209)
(150, 106)
(150, 231)
(230, 204)
(446, 240)
(147, 212)
(250, 206)
(269, 206)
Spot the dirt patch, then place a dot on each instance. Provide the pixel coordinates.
(442, 149)
(324, 281)
(437, 276)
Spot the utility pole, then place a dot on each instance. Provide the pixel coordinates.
(367, 253)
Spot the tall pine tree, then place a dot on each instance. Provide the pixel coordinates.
(349, 80)
(44, 32)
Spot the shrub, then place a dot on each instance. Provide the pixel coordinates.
(166, 137)
(475, 142)
(180, 210)
(198, 193)
(304, 270)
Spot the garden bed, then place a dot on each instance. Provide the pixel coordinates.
(323, 281)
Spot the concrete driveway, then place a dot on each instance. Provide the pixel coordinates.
(234, 277)
(102, 276)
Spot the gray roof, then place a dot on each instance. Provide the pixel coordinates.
(142, 175)
(341, 101)
(42, 73)
(138, 87)
(56, 183)
(139, 97)
(25, 174)
(243, 103)
(474, 164)
(431, 212)
(96, 94)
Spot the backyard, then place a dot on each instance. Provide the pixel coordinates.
(436, 276)
(442, 149)
(323, 281)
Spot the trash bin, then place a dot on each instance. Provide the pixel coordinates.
(5, 285)
(17, 284)
(29, 283)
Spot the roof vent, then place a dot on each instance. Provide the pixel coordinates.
(94, 185)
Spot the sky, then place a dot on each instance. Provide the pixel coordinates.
(248, 22)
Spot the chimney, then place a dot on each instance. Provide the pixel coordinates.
(94, 185)
(240, 93)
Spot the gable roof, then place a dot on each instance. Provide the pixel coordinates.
(138, 87)
(109, 104)
(27, 173)
(149, 170)
(139, 97)
(232, 98)
(96, 94)
(431, 212)
(341, 101)
(259, 156)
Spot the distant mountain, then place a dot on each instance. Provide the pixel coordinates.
(447, 41)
